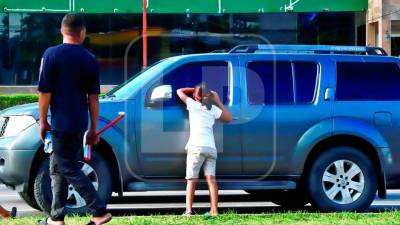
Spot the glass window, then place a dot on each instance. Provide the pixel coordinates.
(214, 73)
(25, 36)
(305, 81)
(260, 83)
(366, 81)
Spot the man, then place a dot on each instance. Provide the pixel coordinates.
(69, 85)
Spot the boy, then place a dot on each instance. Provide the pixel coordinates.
(204, 109)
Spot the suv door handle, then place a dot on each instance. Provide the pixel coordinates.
(329, 94)
(235, 118)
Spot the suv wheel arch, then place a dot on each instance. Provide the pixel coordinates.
(348, 140)
(105, 150)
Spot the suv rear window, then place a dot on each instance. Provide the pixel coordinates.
(295, 82)
(367, 81)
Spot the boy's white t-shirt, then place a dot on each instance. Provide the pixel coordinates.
(201, 122)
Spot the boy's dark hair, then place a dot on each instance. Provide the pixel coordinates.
(73, 23)
(202, 89)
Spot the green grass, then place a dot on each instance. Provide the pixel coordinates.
(390, 217)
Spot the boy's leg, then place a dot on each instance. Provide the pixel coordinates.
(213, 189)
(209, 172)
(190, 190)
(194, 162)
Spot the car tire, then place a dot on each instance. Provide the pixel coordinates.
(342, 179)
(288, 199)
(29, 198)
(99, 172)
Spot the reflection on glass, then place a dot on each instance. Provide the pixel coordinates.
(25, 36)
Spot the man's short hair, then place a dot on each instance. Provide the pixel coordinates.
(73, 23)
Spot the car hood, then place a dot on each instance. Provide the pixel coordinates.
(31, 109)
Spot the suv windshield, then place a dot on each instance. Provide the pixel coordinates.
(123, 90)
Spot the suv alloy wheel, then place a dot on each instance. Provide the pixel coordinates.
(342, 179)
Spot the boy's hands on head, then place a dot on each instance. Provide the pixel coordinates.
(183, 93)
(226, 116)
(215, 98)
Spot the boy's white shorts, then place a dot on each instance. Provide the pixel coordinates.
(200, 156)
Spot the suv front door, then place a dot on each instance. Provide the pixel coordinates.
(163, 129)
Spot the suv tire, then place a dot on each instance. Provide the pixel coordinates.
(98, 171)
(342, 179)
(29, 199)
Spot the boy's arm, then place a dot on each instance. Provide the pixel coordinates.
(183, 93)
(226, 116)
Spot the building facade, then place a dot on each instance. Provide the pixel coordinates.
(383, 25)
(27, 28)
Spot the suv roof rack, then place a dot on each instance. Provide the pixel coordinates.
(219, 51)
(310, 49)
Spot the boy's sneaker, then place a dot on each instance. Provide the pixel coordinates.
(208, 215)
(187, 213)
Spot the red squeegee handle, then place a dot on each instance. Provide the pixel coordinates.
(111, 124)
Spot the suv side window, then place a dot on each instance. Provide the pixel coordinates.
(214, 73)
(305, 74)
(298, 87)
(367, 81)
(260, 83)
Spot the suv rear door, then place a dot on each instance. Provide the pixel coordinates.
(367, 91)
(272, 126)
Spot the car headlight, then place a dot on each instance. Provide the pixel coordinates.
(13, 125)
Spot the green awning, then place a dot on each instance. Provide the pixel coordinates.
(183, 6)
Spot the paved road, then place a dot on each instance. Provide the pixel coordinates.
(172, 202)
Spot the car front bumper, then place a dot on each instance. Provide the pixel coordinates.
(15, 166)
(16, 157)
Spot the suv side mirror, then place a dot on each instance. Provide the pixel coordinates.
(160, 94)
